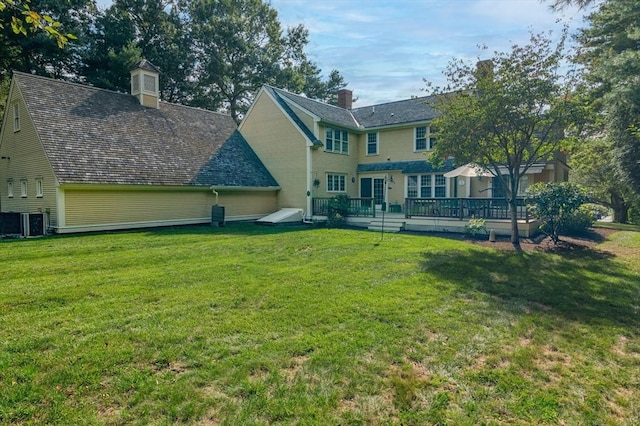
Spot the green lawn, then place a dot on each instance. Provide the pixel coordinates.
(261, 325)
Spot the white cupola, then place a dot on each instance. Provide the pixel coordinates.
(145, 83)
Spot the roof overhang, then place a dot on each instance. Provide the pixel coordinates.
(245, 188)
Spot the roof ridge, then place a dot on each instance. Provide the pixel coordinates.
(89, 86)
(72, 83)
(415, 98)
(355, 121)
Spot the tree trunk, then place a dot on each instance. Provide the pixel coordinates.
(620, 209)
(513, 206)
(515, 234)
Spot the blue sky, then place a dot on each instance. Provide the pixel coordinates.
(385, 48)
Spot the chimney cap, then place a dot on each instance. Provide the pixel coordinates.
(146, 65)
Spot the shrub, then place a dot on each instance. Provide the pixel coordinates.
(597, 210)
(475, 227)
(634, 215)
(553, 204)
(338, 210)
(578, 222)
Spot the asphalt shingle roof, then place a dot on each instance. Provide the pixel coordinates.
(93, 135)
(396, 113)
(406, 167)
(328, 113)
(408, 111)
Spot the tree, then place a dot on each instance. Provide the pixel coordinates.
(610, 53)
(130, 30)
(554, 204)
(505, 114)
(561, 4)
(594, 167)
(39, 51)
(241, 46)
(25, 19)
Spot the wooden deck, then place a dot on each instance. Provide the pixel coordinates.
(433, 215)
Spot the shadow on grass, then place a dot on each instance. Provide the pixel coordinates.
(585, 285)
(245, 229)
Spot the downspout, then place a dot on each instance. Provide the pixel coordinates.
(215, 193)
(316, 131)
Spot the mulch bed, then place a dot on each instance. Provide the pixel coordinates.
(539, 243)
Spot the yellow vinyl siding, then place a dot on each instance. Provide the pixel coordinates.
(324, 163)
(281, 147)
(393, 145)
(95, 207)
(304, 117)
(25, 159)
(245, 203)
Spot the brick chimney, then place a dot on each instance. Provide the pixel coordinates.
(345, 98)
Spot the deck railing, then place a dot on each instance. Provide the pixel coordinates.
(357, 206)
(464, 208)
(458, 208)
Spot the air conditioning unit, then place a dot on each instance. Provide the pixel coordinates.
(10, 223)
(34, 224)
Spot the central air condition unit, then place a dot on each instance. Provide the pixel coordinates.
(10, 223)
(34, 224)
(217, 215)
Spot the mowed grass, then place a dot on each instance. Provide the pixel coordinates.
(258, 325)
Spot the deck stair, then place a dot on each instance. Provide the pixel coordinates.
(392, 223)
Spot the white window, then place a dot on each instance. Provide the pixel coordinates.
(336, 183)
(16, 117)
(10, 188)
(426, 186)
(440, 186)
(523, 186)
(372, 144)
(39, 188)
(425, 138)
(336, 141)
(23, 188)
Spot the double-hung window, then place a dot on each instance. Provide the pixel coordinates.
(336, 183)
(425, 138)
(440, 187)
(426, 186)
(336, 141)
(372, 144)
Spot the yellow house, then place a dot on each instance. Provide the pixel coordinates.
(94, 159)
(374, 153)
